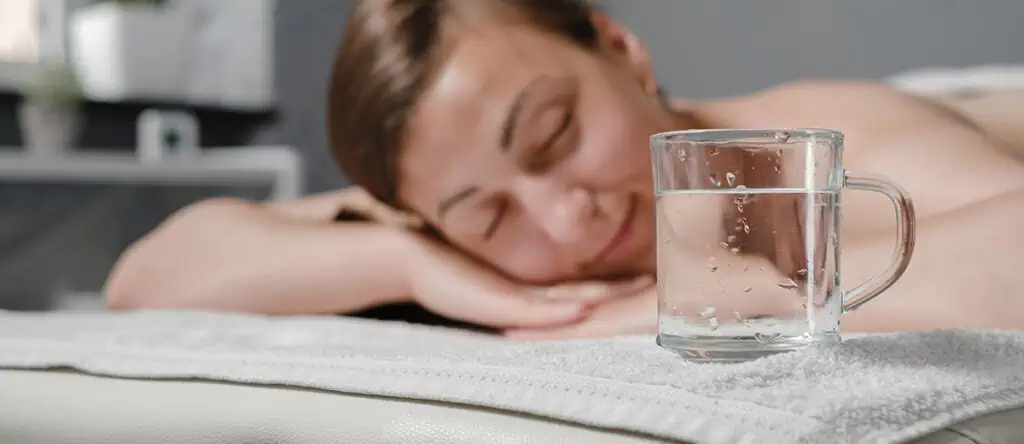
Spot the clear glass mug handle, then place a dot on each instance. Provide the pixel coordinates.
(905, 238)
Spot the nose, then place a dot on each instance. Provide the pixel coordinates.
(559, 210)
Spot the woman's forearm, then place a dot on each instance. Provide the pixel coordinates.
(965, 272)
(241, 257)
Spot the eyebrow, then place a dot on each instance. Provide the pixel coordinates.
(514, 110)
(507, 131)
(447, 204)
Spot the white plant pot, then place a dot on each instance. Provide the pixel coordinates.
(48, 130)
(131, 52)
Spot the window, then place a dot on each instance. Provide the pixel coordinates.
(19, 31)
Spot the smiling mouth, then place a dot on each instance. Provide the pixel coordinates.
(621, 234)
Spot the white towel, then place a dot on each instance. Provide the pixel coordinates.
(939, 79)
(877, 388)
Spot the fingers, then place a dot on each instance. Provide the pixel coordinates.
(634, 315)
(518, 312)
(359, 201)
(591, 292)
(557, 306)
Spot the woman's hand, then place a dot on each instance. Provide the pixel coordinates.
(740, 285)
(634, 314)
(448, 283)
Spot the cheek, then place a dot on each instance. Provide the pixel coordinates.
(529, 261)
(614, 146)
(520, 252)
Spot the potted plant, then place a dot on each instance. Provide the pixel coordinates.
(131, 49)
(49, 112)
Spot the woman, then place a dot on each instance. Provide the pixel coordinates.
(502, 147)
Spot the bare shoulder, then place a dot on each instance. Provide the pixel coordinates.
(817, 87)
(942, 158)
(848, 105)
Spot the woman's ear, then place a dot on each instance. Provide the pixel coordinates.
(625, 47)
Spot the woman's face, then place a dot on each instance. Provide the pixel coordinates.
(531, 153)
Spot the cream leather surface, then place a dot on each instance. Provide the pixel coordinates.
(64, 407)
(57, 407)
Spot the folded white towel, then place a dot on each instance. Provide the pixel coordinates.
(876, 388)
(940, 79)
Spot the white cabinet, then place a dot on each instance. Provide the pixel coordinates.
(210, 53)
(279, 167)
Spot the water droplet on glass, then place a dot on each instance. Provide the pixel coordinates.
(708, 312)
(788, 284)
(748, 289)
(712, 265)
(731, 238)
(777, 170)
(724, 244)
(743, 200)
(682, 155)
(734, 250)
(801, 272)
(742, 225)
(715, 180)
(713, 324)
(730, 178)
(741, 187)
(767, 338)
(782, 136)
(835, 240)
(713, 151)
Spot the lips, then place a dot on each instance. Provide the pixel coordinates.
(622, 234)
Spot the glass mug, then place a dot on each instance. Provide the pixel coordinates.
(748, 241)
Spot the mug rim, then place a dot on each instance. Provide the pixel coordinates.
(720, 134)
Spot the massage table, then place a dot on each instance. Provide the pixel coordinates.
(61, 406)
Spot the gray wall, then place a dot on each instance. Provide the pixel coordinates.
(307, 32)
(709, 48)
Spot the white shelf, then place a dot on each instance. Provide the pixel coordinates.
(277, 166)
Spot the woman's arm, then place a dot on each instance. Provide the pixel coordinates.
(291, 259)
(240, 256)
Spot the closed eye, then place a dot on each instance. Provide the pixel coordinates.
(562, 127)
(496, 222)
(542, 156)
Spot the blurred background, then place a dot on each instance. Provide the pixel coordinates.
(114, 114)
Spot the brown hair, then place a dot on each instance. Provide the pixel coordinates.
(390, 51)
